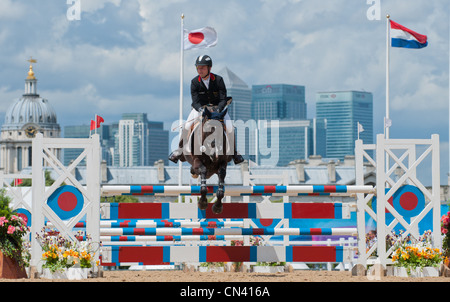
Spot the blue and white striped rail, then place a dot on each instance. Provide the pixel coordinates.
(235, 190)
(301, 210)
(226, 231)
(157, 255)
(107, 240)
(135, 223)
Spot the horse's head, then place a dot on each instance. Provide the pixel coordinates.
(213, 114)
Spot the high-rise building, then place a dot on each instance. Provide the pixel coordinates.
(240, 110)
(158, 143)
(80, 131)
(343, 110)
(139, 142)
(131, 143)
(241, 107)
(283, 141)
(83, 131)
(278, 102)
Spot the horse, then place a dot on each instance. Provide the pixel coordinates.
(208, 152)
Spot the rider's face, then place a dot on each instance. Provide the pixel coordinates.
(203, 70)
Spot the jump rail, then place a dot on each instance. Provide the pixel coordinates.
(134, 223)
(228, 231)
(235, 190)
(323, 210)
(107, 240)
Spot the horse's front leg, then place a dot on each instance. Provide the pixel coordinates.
(222, 172)
(203, 201)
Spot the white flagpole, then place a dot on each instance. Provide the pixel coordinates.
(180, 164)
(387, 74)
(358, 129)
(95, 124)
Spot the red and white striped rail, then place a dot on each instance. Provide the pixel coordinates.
(226, 231)
(109, 240)
(301, 210)
(236, 190)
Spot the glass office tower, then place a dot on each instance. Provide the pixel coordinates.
(241, 107)
(139, 142)
(343, 110)
(278, 102)
(280, 142)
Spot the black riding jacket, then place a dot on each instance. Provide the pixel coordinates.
(215, 95)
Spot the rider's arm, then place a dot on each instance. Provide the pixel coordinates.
(222, 95)
(195, 99)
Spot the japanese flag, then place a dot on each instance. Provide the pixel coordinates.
(200, 38)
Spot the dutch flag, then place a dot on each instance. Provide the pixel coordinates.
(404, 37)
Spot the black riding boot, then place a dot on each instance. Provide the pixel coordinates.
(178, 154)
(237, 158)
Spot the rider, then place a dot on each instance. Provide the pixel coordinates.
(206, 88)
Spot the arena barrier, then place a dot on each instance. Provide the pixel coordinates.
(235, 190)
(134, 229)
(325, 210)
(125, 227)
(227, 231)
(86, 199)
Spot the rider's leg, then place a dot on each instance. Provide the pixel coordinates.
(237, 158)
(178, 154)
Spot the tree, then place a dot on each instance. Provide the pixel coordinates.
(4, 204)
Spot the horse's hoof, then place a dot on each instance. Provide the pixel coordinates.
(202, 204)
(217, 209)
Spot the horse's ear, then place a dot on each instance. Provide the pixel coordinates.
(222, 113)
(206, 112)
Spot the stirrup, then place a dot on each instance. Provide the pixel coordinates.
(175, 156)
(238, 159)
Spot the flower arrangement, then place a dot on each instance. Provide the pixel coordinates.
(445, 231)
(12, 230)
(61, 253)
(411, 254)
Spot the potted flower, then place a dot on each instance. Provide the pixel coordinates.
(66, 259)
(216, 267)
(269, 267)
(445, 231)
(12, 230)
(265, 267)
(417, 258)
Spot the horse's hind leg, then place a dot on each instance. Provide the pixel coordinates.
(218, 207)
(203, 201)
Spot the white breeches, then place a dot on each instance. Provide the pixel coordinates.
(194, 117)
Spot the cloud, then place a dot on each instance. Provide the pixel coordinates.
(427, 93)
(11, 10)
(95, 5)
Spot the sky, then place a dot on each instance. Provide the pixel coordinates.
(123, 56)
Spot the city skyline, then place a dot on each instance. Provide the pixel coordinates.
(123, 54)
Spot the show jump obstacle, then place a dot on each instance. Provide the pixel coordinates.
(132, 222)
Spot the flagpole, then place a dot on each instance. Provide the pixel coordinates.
(387, 77)
(357, 129)
(180, 164)
(95, 124)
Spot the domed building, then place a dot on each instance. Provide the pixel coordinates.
(26, 117)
